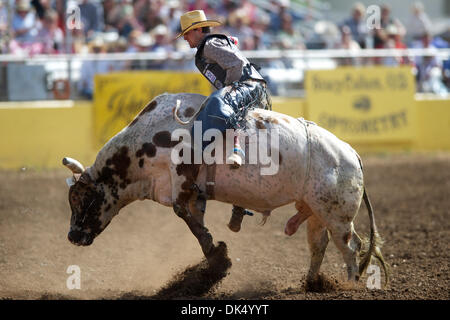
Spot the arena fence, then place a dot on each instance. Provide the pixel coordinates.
(58, 76)
(374, 108)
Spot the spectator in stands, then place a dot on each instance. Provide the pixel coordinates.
(202, 5)
(357, 24)
(238, 27)
(119, 46)
(429, 69)
(90, 68)
(153, 16)
(288, 37)
(144, 41)
(173, 16)
(50, 35)
(122, 18)
(394, 41)
(161, 41)
(60, 7)
(79, 42)
(279, 7)
(24, 23)
(91, 17)
(108, 7)
(250, 10)
(132, 46)
(380, 36)
(3, 27)
(349, 44)
(41, 7)
(25, 29)
(261, 35)
(163, 45)
(225, 7)
(418, 24)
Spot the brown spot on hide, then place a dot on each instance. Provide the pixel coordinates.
(141, 163)
(117, 165)
(121, 161)
(189, 112)
(190, 172)
(260, 124)
(163, 139)
(148, 149)
(133, 122)
(272, 120)
(150, 107)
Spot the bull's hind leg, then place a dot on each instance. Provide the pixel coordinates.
(348, 242)
(318, 241)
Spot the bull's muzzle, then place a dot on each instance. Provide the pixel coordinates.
(80, 238)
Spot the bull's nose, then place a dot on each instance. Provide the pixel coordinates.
(79, 238)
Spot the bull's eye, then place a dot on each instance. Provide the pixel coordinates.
(75, 200)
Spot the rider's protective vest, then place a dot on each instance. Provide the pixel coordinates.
(215, 73)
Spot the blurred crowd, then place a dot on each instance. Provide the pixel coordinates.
(80, 26)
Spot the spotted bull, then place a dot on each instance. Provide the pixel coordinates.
(318, 172)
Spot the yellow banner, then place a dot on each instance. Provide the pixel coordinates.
(119, 97)
(363, 104)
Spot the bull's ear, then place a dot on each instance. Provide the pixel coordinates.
(85, 178)
(70, 181)
(73, 165)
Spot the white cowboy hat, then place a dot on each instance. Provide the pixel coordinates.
(194, 20)
(23, 5)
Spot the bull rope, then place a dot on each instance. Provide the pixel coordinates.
(175, 114)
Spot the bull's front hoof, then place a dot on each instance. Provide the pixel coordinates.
(321, 283)
(218, 256)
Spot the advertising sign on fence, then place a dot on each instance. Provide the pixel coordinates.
(373, 104)
(119, 97)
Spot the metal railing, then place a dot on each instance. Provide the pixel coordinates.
(284, 68)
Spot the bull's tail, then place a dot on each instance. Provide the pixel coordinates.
(374, 244)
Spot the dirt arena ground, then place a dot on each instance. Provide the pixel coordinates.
(147, 252)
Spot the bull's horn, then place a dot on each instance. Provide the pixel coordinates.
(73, 165)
